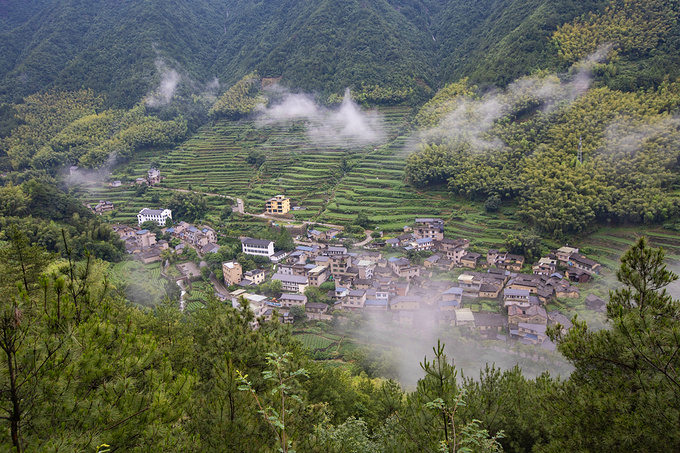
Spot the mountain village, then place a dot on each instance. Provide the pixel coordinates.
(380, 277)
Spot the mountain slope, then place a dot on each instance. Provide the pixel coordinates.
(400, 48)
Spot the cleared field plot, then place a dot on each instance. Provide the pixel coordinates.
(193, 306)
(140, 283)
(314, 342)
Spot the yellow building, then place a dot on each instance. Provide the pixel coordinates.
(277, 205)
(233, 273)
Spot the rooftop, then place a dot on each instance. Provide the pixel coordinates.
(147, 211)
(290, 278)
(465, 314)
(516, 292)
(288, 296)
(376, 303)
(251, 241)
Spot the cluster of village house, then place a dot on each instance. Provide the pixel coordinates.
(143, 244)
(367, 281)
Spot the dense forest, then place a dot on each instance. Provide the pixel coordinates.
(391, 50)
(85, 371)
(72, 128)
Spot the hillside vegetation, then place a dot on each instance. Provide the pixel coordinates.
(387, 51)
(522, 144)
(64, 128)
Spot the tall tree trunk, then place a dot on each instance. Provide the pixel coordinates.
(15, 414)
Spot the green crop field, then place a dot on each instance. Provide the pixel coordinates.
(314, 342)
(214, 161)
(142, 284)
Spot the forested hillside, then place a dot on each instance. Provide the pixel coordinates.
(594, 145)
(393, 50)
(72, 128)
(83, 370)
(521, 124)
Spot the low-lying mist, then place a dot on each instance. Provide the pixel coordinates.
(347, 126)
(472, 120)
(396, 351)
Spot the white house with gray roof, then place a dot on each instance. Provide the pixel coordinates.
(259, 247)
(295, 283)
(157, 215)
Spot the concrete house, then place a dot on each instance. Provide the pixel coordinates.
(355, 299)
(160, 216)
(453, 294)
(405, 303)
(153, 176)
(470, 283)
(145, 238)
(404, 268)
(492, 257)
(103, 206)
(431, 261)
(422, 244)
(470, 259)
(123, 231)
(340, 264)
(293, 283)
(454, 249)
(581, 262)
(510, 262)
(545, 266)
(577, 275)
(292, 300)
(256, 276)
(315, 235)
(258, 247)
(429, 228)
(279, 256)
(232, 272)
(317, 275)
(532, 315)
(490, 324)
(278, 205)
(564, 253)
(334, 250)
(530, 333)
(519, 297)
(366, 269)
(490, 290)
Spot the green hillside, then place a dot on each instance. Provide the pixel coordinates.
(393, 50)
(522, 144)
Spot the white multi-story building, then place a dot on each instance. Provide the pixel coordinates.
(257, 247)
(157, 215)
(293, 283)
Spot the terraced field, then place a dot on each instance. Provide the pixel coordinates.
(314, 342)
(141, 283)
(310, 173)
(197, 297)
